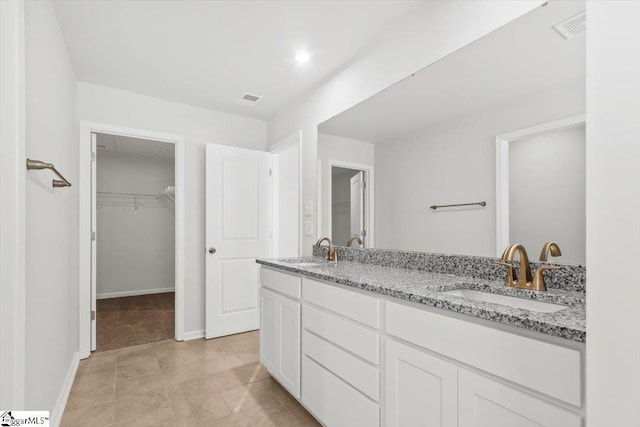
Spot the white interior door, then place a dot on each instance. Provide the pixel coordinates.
(238, 228)
(357, 205)
(94, 241)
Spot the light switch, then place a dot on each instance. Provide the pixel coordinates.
(308, 208)
(308, 228)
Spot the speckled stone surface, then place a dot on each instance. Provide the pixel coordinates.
(426, 287)
(570, 277)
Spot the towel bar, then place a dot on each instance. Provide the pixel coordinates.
(37, 164)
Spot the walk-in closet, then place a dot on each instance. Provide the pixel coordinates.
(135, 241)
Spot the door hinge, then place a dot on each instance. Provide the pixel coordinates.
(93, 156)
(270, 172)
(93, 236)
(364, 185)
(93, 315)
(363, 233)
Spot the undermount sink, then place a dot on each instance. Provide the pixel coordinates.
(301, 262)
(527, 304)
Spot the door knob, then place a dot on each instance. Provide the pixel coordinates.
(212, 250)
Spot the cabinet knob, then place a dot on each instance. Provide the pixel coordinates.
(212, 250)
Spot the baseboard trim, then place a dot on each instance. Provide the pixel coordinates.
(134, 293)
(63, 396)
(193, 335)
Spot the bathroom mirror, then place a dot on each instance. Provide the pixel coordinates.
(496, 127)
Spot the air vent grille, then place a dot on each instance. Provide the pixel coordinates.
(573, 26)
(249, 99)
(252, 98)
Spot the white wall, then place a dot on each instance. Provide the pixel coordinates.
(331, 147)
(547, 192)
(286, 188)
(454, 162)
(613, 213)
(135, 249)
(51, 214)
(198, 126)
(429, 34)
(12, 185)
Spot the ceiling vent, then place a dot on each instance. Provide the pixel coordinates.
(249, 99)
(573, 26)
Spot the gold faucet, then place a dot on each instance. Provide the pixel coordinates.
(550, 248)
(356, 238)
(524, 279)
(332, 254)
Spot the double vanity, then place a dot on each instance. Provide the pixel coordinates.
(479, 150)
(391, 338)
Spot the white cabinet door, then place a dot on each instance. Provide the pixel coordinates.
(268, 328)
(334, 402)
(487, 403)
(421, 389)
(280, 338)
(288, 367)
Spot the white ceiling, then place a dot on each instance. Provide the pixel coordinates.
(208, 53)
(136, 146)
(522, 57)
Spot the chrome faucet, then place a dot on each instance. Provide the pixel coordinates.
(356, 238)
(332, 254)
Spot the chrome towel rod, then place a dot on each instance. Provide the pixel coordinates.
(37, 164)
(434, 207)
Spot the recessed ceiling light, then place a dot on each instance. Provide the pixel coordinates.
(302, 57)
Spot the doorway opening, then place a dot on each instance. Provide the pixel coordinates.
(130, 190)
(134, 241)
(349, 210)
(539, 167)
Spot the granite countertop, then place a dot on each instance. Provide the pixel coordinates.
(426, 288)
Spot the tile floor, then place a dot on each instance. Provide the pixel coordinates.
(216, 382)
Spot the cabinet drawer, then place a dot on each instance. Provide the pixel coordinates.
(351, 336)
(349, 368)
(287, 284)
(548, 368)
(334, 402)
(361, 308)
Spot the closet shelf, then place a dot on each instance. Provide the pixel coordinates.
(165, 199)
(134, 200)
